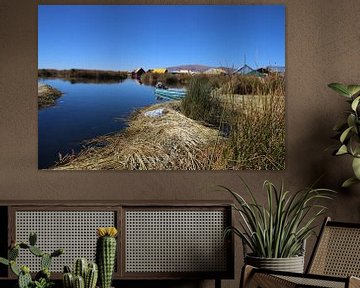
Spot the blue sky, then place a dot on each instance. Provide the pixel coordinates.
(124, 37)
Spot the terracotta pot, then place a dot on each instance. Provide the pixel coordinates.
(291, 264)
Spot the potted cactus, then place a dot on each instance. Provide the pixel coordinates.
(84, 275)
(106, 254)
(42, 278)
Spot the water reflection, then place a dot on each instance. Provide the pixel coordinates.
(86, 110)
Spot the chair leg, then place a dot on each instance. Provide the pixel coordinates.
(246, 273)
(217, 283)
(251, 279)
(354, 282)
(262, 280)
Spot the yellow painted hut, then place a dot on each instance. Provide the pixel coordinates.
(160, 70)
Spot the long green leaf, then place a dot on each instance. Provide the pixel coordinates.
(351, 120)
(349, 182)
(355, 103)
(342, 150)
(356, 167)
(280, 228)
(4, 261)
(340, 88)
(345, 134)
(354, 90)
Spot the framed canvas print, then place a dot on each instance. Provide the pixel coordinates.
(161, 87)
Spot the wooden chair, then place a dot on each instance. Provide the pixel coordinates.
(335, 262)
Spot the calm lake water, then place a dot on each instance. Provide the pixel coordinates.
(85, 111)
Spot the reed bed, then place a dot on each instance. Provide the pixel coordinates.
(212, 128)
(250, 113)
(256, 133)
(84, 74)
(47, 95)
(200, 103)
(168, 142)
(150, 78)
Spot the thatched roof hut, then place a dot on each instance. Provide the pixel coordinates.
(137, 73)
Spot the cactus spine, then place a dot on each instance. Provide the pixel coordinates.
(45, 261)
(79, 282)
(84, 276)
(91, 276)
(80, 267)
(68, 280)
(24, 280)
(106, 254)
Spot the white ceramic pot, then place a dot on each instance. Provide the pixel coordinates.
(291, 264)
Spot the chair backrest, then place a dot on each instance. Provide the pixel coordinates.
(337, 251)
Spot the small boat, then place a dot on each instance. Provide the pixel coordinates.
(170, 93)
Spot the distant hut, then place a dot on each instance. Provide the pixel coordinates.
(137, 73)
(149, 71)
(183, 71)
(245, 70)
(160, 70)
(264, 71)
(215, 71)
(276, 69)
(248, 71)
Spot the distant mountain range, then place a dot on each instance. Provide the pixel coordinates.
(197, 68)
(203, 68)
(192, 67)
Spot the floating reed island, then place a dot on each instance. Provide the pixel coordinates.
(158, 137)
(212, 128)
(47, 95)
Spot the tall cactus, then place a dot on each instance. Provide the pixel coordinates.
(106, 254)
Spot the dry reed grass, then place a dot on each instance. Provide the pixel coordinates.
(250, 111)
(249, 133)
(257, 137)
(169, 142)
(47, 95)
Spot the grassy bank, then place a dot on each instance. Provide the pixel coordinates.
(212, 128)
(87, 75)
(47, 95)
(250, 112)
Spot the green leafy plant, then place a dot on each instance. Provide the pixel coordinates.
(279, 229)
(349, 132)
(42, 278)
(43, 283)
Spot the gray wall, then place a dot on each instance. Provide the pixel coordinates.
(322, 46)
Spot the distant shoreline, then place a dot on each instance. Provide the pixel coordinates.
(73, 74)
